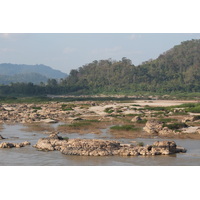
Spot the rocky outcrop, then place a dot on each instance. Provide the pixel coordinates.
(90, 147)
(153, 127)
(190, 119)
(167, 147)
(53, 142)
(97, 147)
(12, 145)
(166, 131)
(45, 113)
(156, 128)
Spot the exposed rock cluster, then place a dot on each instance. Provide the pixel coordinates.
(97, 147)
(29, 113)
(156, 128)
(53, 142)
(190, 119)
(12, 145)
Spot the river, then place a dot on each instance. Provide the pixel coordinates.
(29, 156)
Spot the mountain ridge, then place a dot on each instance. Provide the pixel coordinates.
(28, 73)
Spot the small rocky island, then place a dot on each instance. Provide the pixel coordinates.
(14, 145)
(97, 147)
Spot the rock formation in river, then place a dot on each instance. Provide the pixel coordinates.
(12, 145)
(97, 147)
(156, 128)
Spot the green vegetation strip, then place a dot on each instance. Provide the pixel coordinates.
(124, 128)
(79, 124)
(166, 120)
(175, 126)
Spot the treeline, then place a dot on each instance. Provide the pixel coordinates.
(52, 86)
(177, 70)
(30, 89)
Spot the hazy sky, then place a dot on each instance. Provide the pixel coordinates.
(66, 51)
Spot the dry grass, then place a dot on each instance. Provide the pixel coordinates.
(129, 133)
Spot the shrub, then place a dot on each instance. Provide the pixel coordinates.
(91, 120)
(176, 126)
(188, 105)
(155, 108)
(141, 144)
(67, 107)
(133, 115)
(79, 124)
(166, 120)
(37, 108)
(65, 138)
(143, 121)
(109, 110)
(180, 113)
(195, 109)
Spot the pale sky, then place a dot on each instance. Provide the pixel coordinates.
(66, 51)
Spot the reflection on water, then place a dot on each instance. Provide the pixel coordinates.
(29, 156)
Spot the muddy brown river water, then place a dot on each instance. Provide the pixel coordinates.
(29, 156)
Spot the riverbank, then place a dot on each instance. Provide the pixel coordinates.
(121, 119)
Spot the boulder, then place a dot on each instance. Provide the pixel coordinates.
(53, 142)
(165, 144)
(198, 130)
(156, 128)
(153, 127)
(166, 131)
(12, 145)
(44, 144)
(8, 108)
(136, 119)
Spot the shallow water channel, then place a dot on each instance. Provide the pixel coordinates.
(29, 156)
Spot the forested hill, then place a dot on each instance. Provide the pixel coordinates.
(27, 73)
(178, 69)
